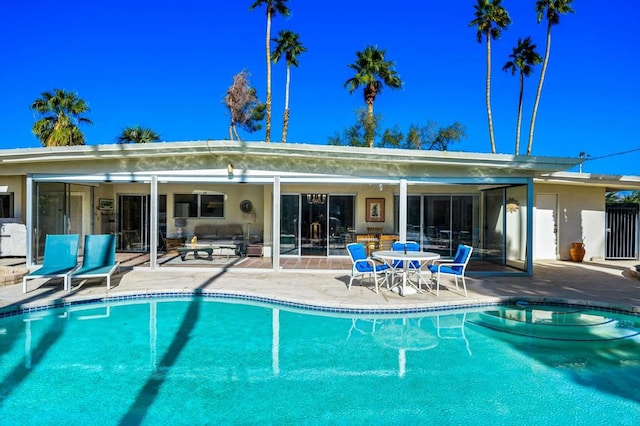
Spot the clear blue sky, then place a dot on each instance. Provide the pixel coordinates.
(167, 65)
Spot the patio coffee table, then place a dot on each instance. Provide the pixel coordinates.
(183, 251)
(209, 249)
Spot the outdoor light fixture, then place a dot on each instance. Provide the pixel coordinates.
(316, 198)
(180, 223)
(512, 205)
(230, 170)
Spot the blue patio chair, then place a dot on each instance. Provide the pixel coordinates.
(99, 260)
(455, 267)
(363, 265)
(414, 265)
(411, 246)
(60, 258)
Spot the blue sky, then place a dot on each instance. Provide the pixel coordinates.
(167, 65)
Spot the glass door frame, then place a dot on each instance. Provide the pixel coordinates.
(332, 231)
(136, 236)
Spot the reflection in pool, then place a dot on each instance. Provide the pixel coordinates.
(204, 360)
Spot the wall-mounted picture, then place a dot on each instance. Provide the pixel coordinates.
(105, 204)
(375, 209)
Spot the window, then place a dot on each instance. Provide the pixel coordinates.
(6, 205)
(185, 205)
(198, 205)
(212, 206)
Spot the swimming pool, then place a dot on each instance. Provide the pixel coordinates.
(205, 360)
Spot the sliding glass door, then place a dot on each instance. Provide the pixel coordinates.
(440, 222)
(316, 224)
(133, 222)
(60, 209)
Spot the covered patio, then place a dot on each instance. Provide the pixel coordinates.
(285, 204)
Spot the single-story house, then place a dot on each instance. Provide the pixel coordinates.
(295, 200)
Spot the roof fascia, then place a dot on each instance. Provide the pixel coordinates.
(305, 152)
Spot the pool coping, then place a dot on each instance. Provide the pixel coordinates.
(326, 308)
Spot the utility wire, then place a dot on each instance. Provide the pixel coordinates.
(588, 158)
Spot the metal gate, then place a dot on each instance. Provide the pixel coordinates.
(622, 231)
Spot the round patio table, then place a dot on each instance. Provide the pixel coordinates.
(422, 257)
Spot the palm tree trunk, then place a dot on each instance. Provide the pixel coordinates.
(267, 137)
(370, 123)
(519, 113)
(231, 131)
(285, 121)
(542, 73)
(488, 94)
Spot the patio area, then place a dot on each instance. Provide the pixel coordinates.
(322, 282)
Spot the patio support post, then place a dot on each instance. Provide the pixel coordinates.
(275, 224)
(153, 238)
(29, 221)
(530, 201)
(403, 210)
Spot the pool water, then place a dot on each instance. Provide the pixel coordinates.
(206, 361)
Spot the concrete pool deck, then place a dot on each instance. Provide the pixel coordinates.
(608, 284)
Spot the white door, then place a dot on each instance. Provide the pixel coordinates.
(545, 232)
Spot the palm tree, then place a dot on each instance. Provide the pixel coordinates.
(137, 135)
(523, 58)
(61, 113)
(273, 7)
(552, 10)
(490, 19)
(373, 72)
(287, 44)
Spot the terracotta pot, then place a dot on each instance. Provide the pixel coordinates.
(577, 252)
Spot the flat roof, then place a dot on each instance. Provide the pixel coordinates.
(158, 155)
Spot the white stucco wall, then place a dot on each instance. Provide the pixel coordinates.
(581, 218)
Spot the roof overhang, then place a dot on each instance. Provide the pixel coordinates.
(611, 183)
(476, 164)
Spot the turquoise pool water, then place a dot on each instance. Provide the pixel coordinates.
(209, 361)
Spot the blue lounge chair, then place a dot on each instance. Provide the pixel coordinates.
(60, 258)
(455, 267)
(363, 265)
(99, 260)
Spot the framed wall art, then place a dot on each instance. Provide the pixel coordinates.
(375, 209)
(105, 204)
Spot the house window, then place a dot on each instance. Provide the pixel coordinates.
(212, 205)
(198, 205)
(6, 204)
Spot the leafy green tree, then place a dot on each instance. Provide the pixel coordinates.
(523, 58)
(245, 109)
(445, 136)
(551, 9)
(632, 197)
(392, 137)
(490, 19)
(61, 113)
(373, 72)
(428, 137)
(137, 135)
(273, 7)
(612, 197)
(289, 46)
(365, 129)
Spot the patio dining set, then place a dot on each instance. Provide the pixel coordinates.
(403, 269)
